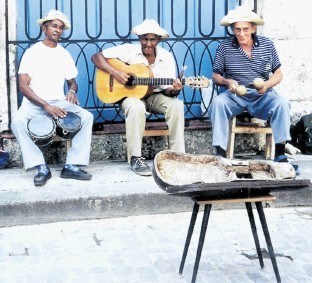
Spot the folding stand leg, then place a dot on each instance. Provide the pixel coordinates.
(268, 239)
(254, 233)
(201, 239)
(189, 236)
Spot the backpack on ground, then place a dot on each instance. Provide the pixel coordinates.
(4, 155)
(301, 134)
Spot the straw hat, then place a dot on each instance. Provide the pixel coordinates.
(55, 15)
(149, 26)
(241, 14)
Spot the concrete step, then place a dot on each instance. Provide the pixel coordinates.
(114, 191)
(109, 143)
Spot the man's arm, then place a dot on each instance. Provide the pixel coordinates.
(170, 72)
(24, 81)
(72, 91)
(220, 80)
(101, 63)
(274, 80)
(25, 89)
(175, 89)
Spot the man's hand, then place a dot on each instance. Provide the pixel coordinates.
(232, 85)
(263, 89)
(72, 97)
(55, 111)
(175, 89)
(177, 85)
(120, 76)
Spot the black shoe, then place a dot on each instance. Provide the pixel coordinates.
(220, 152)
(42, 177)
(140, 167)
(77, 173)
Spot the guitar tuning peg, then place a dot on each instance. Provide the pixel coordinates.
(183, 68)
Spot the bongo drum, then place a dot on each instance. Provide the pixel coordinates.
(41, 129)
(68, 126)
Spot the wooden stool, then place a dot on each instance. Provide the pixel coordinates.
(10, 136)
(68, 143)
(207, 208)
(150, 132)
(250, 128)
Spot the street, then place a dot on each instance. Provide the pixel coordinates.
(148, 248)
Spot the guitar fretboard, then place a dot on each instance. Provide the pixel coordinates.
(154, 81)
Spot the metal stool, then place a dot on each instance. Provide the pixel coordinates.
(207, 208)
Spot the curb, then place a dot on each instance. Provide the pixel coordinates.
(114, 191)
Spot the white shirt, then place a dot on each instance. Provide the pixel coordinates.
(48, 69)
(163, 67)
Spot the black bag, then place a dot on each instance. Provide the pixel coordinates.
(4, 156)
(301, 134)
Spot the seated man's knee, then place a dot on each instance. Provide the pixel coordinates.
(88, 115)
(218, 101)
(177, 105)
(135, 105)
(17, 122)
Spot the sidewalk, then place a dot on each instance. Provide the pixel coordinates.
(114, 191)
(148, 248)
(129, 230)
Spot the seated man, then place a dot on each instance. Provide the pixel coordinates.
(42, 73)
(239, 60)
(162, 99)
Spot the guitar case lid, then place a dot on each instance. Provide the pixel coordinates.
(213, 176)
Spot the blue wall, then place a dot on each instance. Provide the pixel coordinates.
(193, 27)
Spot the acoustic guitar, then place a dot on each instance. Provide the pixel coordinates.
(140, 83)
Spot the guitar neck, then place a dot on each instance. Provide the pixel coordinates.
(155, 81)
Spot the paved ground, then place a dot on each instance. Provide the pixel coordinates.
(145, 245)
(114, 191)
(148, 248)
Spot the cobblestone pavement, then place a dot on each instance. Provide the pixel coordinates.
(148, 248)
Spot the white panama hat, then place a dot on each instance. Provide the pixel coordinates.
(241, 14)
(149, 26)
(55, 15)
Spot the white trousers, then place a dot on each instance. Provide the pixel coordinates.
(135, 111)
(78, 154)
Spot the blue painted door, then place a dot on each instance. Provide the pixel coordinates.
(96, 24)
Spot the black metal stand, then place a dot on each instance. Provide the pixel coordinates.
(207, 209)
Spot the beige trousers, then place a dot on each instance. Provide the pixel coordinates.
(135, 112)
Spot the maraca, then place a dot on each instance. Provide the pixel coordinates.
(258, 83)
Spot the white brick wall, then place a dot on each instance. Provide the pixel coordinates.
(288, 23)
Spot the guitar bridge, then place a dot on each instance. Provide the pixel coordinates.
(111, 83)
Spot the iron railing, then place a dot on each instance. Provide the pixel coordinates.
(193, 26)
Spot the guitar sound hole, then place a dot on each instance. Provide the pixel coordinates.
(131, 82)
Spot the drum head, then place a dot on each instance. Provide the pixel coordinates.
(70, 123)
(41, 126)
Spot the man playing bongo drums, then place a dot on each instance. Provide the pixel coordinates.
(43, 71)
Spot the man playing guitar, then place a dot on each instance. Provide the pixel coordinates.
(161, 99)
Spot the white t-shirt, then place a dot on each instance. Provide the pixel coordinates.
(163, 67)
(48, 69)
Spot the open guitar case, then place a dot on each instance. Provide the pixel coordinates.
(213, 177)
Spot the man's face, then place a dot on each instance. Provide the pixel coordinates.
(149, 42)
(53, 30)
(243, 31)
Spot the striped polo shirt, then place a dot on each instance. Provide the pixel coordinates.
(231, 61)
